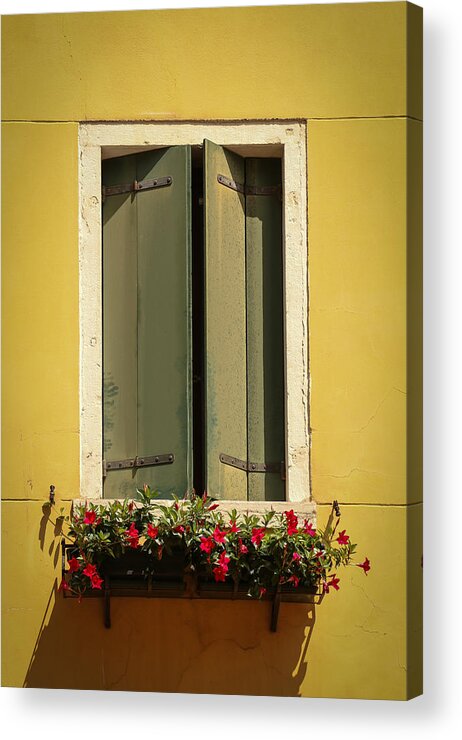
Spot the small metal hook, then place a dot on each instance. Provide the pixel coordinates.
(52, 495)
(336, 507)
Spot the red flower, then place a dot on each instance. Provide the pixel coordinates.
(175, 506)
(133, 536)
(221, 569)
(291, 521)
(343, 538)
(262, 591)
(223, 560)
(295, 556)
(334, 583)
(63, 586)
(89, 570)
(219, 535)
(179, 529)
(243, 549)
(309, 529)
(90, 518)
(131, 506)
(219, 572)
(233, 528)
(96, 581)
(295, 580)
(74, 565)
(152, 531)
(207, 544)
(257, 535)
(213, 507)
(365, 566)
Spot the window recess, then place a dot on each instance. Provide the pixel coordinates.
(193, 358)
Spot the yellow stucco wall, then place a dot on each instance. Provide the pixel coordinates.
(360, 65)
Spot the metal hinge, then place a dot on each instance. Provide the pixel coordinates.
(249, 189)
(136, 186)
(263, 190)
(143, 461)
(231, 184)
(254, 467)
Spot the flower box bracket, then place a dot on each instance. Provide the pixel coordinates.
(129, 576)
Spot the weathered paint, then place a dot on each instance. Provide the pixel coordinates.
(364, 256)
(120, 356)
(225, 323)
(147, 322)
(265, 340)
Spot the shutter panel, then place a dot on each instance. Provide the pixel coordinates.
(225, 324)
(120, 260)
(265, 362)
(147, 322)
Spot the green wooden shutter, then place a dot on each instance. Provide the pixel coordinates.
(265, 342)
(147, 322)
(225, 323)
(244, 384)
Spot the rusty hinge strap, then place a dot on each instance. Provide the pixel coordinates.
(138, 462)
(264, 190)
(231, 183)
(252, 467)
(136, 186)
(249, 189)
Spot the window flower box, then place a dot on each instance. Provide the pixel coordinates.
(190, 549)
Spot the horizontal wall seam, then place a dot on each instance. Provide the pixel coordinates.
(376, 505)
(289, 503)
(30, 120)
(43, 500)
(217, 120)
(365, 118)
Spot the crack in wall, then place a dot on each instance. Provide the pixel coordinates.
(350, 473)
(371, 632)
(206, 648)
(356, 585)
(369, 421)
(127, 640)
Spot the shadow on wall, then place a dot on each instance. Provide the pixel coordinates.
(172, 645)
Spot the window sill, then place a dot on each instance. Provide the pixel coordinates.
(305, 509)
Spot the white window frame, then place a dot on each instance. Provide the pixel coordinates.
(287, 139)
